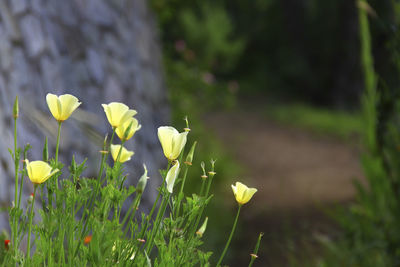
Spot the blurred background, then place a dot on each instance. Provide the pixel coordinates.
(274, 90)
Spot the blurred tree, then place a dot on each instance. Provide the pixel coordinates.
(99, 51)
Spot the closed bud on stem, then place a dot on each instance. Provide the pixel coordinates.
(141, 185)
(189, 158)
(105, 142)
(16, 108)
(203, 228)
(187, 128)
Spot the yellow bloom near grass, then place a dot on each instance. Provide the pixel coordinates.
(171, 141)
(120, 130)
(125, 154)
(39, 171)
(242, 193)
(61, 107)
(118, 113)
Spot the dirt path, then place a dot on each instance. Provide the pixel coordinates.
(296, 174)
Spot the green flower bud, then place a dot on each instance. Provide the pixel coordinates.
(16, 108)
(189, 157)
(141, 185)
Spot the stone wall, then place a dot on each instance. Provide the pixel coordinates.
(97, 50)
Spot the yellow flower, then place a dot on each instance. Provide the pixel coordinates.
(61, 107)
(125, 154)
(39, 171)
(118, 113)
(122, 129)
(171, 176)
(242, 193)
(171, 141)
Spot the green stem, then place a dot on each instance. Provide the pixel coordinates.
(181, 191)
(28, 250)
(230, 237)
(255, 251)
(91, 201)
(202, 186)
(16, 165)
(132, 209)
(159, 217)
(58, 140)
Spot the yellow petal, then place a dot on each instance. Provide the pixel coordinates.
(122, 129)
(124, 156)
(242, 193)
(68, 105)
(171, 176)
(166, 135)
(117, 113)
(52, 102)
(39, 171)
(178, 143)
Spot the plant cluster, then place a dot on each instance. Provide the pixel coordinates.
(79, 221)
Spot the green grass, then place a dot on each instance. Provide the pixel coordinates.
(336, 123)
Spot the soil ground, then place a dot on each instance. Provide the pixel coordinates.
(298, 176)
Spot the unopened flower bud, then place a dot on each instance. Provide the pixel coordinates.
(16, 108)
(141, 185)
(203, 228)
(189, 158)
(254, 256)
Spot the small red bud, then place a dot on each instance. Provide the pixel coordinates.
(7, 244)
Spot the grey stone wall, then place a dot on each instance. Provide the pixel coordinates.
(97, 50)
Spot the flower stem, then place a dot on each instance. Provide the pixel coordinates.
(16, 165)
(255, 251)
(28, 250)
(230, 237)
(58, 139)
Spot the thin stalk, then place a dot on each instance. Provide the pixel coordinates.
(58, 140)
(230, 237)
(206, 195)
(28, 250)
(91, 201)
(202, 186)
(181, 191)
(133, 208)
(159, 217)
(148, 217)
(16, 165)
(255, 251)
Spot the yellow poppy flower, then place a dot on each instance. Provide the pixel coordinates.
(39, 171)
(125, 154)
(122, 129)
(242, 193)
(61, 107)
(171, 141)
(118, 113)
(171, 176)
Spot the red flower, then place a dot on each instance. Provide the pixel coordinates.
(87, 239)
